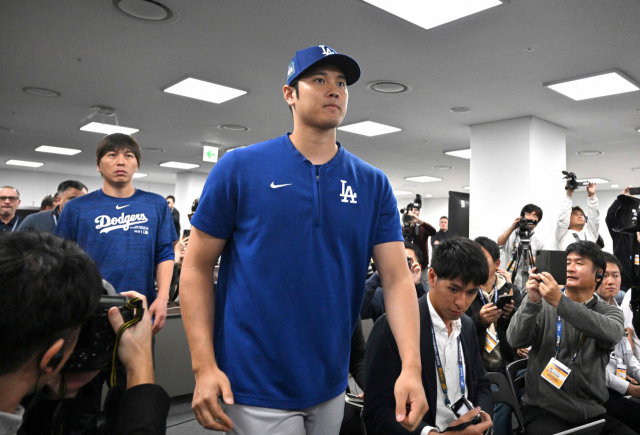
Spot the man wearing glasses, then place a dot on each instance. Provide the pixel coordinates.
(9, 202)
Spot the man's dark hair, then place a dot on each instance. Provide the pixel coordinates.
(532, 208)
(11, 187)
(574, 208)
(70, 184)
(294, 85)
(172, 198)
(414, 248)
(491, 247)
(443, 217)
(462, 258)
(48, 286)
(610, 258)
(592, 252)
(47, 202)
(116, 142)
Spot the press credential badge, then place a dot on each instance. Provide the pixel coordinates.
(556, 373)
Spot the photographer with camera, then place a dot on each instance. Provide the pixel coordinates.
(417, 231)
(521, 233)
(50, 288)
(571, 334)
(573, 224)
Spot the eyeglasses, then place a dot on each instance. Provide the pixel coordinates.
(10, 198)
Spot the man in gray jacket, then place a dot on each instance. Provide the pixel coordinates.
(47, 221)
(571, 334)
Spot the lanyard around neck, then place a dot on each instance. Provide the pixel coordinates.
(495, 294)
(443, 381)
(559, 336)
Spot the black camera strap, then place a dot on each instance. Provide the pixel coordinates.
(133, 303)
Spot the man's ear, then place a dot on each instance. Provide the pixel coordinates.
(432, 278)
(289, 95)
(498, 263)
(52, 357)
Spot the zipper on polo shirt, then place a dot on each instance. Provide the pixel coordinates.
(316, 198)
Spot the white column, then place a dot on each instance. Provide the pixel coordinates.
(513, 163)
(188, 187)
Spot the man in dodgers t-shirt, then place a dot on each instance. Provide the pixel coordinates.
(128, 232)
(296, 220)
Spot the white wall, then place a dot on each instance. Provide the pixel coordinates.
(35, 185)
(188, 187)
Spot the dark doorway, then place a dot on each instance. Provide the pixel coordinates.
(458, 214)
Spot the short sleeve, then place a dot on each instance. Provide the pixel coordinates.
(66, 228)
(166, 234)
(216, 213)
(389, 228)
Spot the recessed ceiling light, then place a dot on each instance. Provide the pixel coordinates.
(594, 180)
(148, 10)
(24, 163)
(42, 92)
(402, 192)
(589, 153)
(423, 179)
(205, 91)
(231, 127)
(463, 154)
(467, 187)
(614, 185)
(594, 86)
(388, 87)
(369, 128)
(179, 165)
(139, 175)
(428, 195)
(99, 127)
(430, 14)
(442, 167)
(460, 109)
(57, 150)
(154, 150)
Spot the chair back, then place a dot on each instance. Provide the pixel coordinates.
(502, 393)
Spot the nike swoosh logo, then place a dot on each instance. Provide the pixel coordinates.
(275, 186)
(118, 207)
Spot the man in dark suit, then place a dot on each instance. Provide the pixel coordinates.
(458, 267)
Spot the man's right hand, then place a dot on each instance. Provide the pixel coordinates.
(474, 429)
(489, 313)
(533, 287)
(523, 352)
(515, 223)
(633, 391)
(210, 385)
(627, 190)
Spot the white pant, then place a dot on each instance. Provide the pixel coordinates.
(322, 419)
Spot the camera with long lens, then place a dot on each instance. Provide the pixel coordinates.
(572, 183)
(410, 230)
(96, 342)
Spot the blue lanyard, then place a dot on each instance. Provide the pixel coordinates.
(443, 381)
(559, 336)
(495, 295)
(624, 350)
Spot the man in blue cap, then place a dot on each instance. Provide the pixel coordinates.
(296, 221)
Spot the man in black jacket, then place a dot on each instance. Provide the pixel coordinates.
(458, 267)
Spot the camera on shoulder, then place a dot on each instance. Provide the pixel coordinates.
(410, 230)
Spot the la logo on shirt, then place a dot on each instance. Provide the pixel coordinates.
(348, 195)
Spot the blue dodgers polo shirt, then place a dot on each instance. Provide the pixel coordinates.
(292, 274)
(125, 237)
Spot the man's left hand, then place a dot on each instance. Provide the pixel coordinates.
(158, 309)
(591, 190)
(410, 397)
(549, 289)
(416, 273)
(507, 310)
(416, 219)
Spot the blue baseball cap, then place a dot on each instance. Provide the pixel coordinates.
(322, 54)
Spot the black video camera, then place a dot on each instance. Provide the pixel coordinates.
(572, 183)
(409, 231)
(97, 339)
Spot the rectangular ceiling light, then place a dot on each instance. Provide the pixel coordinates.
(179, 165)
(98, 127)
(139, 175)
(599, 85)
(594, 180)
(57, 150)
(402, 192)
(369, 128)
(205, 91)
(463, 154)
(433, 13)
(423, 179)
(24, 163)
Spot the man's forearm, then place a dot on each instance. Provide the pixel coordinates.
(607, 329)
(404, 320)
(502, 240)
(521, 331)
(164, 272)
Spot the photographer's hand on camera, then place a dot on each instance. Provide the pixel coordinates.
(416, 220)
(489, 313)
(507, 310)
(474, 429)
(591, 190)
(549, 288)
(505, 236)
(533, 287)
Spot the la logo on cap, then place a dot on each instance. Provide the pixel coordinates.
(291, 69)
(326, 50)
